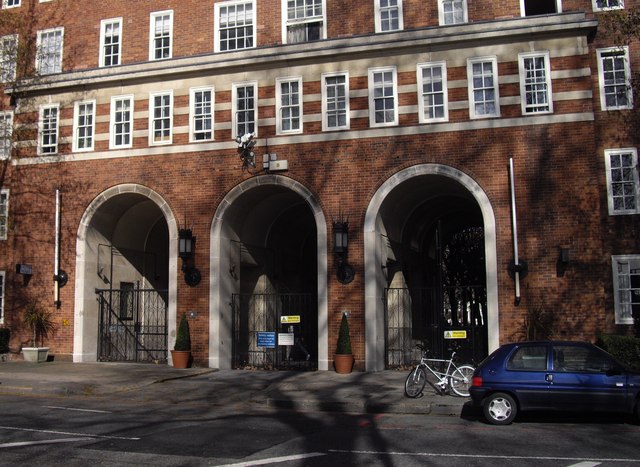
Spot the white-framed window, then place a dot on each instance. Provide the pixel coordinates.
(234, 26)
(6, 134)
(626, 287)
(161, 35)
(2, 288)
(452, 12)
(121, 118)
(245, 108)
(615, 78)
(161, 117)
(540, 7)
(433, 97)
(289, 105)
(84, 125)
(8, 58)
(4, 213)
(388, 15)
(484, 95)
(623, 188)
(49, 51)
(201, 102)
(304, 21)
(606, 5)
(335, 101)
(383, 97)
(10, 3)
(110, 42)
(48, 129)
(535, 83)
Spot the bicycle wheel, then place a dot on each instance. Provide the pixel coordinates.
(415, 382)
(461, 380)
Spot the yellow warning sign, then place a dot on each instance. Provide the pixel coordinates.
(291, 319)
(455, 334)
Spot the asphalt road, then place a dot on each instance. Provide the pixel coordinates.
(164, 431)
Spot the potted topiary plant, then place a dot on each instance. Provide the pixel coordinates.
(181, 353)
(41, 324)
(343, 360)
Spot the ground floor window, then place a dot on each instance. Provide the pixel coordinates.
(626, 286)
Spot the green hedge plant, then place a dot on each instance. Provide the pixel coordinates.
(624, 348)
(344, 340)
(183, 337)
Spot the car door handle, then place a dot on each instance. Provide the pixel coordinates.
(549, 378)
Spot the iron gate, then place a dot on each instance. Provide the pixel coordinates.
(258, 330)
(132, 325)
(423, 315)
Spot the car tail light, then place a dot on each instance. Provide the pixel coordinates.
(476, 381)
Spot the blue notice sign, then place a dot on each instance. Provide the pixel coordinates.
(266, 339)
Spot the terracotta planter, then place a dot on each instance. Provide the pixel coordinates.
(343, 363)
(180, 358)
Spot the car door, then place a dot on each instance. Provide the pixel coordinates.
(585, 378)
(526, 372)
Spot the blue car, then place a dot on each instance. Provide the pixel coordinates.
(553, 375)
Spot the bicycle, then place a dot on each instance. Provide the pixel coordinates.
(458, 378)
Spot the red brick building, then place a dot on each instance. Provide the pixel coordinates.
(262, 127)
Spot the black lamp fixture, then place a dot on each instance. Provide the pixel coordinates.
(186, 246)
(344, 271)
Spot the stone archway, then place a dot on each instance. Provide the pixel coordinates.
(108, 209)
(231, 225)
(375, 255)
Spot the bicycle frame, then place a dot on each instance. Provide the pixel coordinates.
(442, 376)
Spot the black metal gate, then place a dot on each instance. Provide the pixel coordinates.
(275, 331)
(132, 325)
(442, 319)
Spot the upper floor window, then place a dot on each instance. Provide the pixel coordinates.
(335, 102)
(601, 5)
(535, 83)
(388, 15)
(4, 213)
(84, 125)
(48, 128)
(121, 134)
(383, 99)
(452, 12)
(615, 78)
(622, 181)
(540, 7)
(8, 58)
(10, 3)
(235, 26)
(432, 92)
(161, 35)
(161, 118)
(484, 98)
(201, 111)
(110, 42)
(626, 287)
(245, 109)
(289, 105)
(304, 21)
(49, 51)
(6, 134)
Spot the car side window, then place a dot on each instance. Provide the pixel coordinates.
(577, 359)
(529, 358)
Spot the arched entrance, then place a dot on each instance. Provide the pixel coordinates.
(125, 278)
(268, 306)
(430, 267)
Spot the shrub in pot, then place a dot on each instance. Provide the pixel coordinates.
(181, 353)
(41, 324)
(343, 360)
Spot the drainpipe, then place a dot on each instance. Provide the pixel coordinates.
(516, 263)
(56, 253)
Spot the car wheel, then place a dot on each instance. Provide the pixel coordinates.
(499, 408)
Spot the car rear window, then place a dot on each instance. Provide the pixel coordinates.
(529, 358)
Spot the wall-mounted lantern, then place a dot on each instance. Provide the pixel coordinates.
(344, 271)
(186, 247)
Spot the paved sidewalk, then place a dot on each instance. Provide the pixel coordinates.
(380, 392)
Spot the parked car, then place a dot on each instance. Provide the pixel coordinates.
(553, 375)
